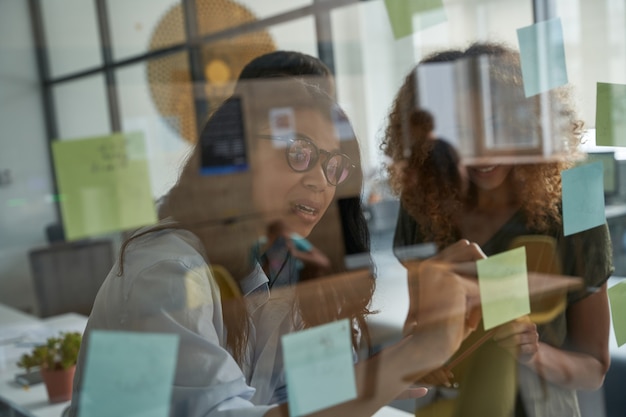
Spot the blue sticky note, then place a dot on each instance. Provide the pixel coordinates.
(319, 367)
(542, 55)
(611, 114)
(408, 16)
(583, 198)
(503, 285)
(128, 374)
(617, 298)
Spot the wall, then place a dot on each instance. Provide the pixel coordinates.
(25, 204)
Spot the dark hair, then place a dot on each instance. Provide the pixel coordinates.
(188, 201)
(538, 186)
(289, 64)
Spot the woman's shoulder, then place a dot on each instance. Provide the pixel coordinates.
(164, 246)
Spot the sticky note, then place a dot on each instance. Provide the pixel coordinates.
(617, 299)
(408, 16)
(105, 184)
(503, 285)
(319, 367)
(583, 197)
(128, 374)
(610, 114)
(542, 55)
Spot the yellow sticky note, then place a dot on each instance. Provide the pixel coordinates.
(610, 114)
(503, 284)
(408, 16)
(105, 184)
(617, 298)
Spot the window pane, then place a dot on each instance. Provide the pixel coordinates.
(81, 108)
(159, 110)
(140, 25)
(217, 15)
(71, 31)
(595, 40)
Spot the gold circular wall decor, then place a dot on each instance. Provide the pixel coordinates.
(169, 77)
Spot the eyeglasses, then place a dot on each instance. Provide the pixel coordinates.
(302, 155)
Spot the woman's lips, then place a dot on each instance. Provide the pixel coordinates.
(485, 169)
(306, 210)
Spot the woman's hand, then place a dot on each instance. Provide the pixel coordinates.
(520, 338)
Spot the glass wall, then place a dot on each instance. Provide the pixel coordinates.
(319, 203)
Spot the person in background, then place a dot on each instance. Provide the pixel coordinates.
(229, 361)
(525, 369)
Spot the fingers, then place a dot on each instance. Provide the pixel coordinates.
(413, 392)
(520, 337)
(461, 251)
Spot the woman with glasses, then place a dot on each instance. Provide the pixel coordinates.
(283, 179)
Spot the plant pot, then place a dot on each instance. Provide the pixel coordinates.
(59, 384)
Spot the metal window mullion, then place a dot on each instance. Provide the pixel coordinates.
(194, 50)
(543, 10)
(324, 34)
(107, 60)
(43, 71)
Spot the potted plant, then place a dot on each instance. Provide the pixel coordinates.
(56, 361)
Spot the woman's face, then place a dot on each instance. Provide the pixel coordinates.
(298, 199)
(488, 177)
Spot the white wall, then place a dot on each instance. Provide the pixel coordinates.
(25, 204)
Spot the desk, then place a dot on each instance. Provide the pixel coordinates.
(14, 400)
(18, 402)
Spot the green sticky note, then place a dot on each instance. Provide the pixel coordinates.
(617, 298)
(611, 114)
(542, 55)
(503, 284)
(105, 184)
(409, 16)
(583, 197)
(128, 374)
(319, 367)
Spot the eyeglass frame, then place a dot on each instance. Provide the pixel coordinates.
(291, 139)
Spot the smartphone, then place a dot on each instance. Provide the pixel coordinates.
(29, 378)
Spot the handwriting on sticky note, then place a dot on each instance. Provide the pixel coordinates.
(503, 284)
(542, 55)
(610, 114)
(128, 374)
(105, 184)
(617, 298)
(319, 367)
(583, 198)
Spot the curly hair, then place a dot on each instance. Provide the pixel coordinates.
(432, 196)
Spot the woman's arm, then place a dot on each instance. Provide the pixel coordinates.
(583, 363)
(439, 325)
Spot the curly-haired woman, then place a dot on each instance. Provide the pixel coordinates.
(525, 368)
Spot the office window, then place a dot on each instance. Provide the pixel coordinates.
(71, 30)
(81, 108)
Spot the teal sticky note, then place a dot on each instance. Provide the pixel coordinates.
(503, 284)
(409, 16)
(319, 367)
(128, 374)
(583, 197)
(105, 184)
(617, 299)
(610, 114)
(542, 55)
